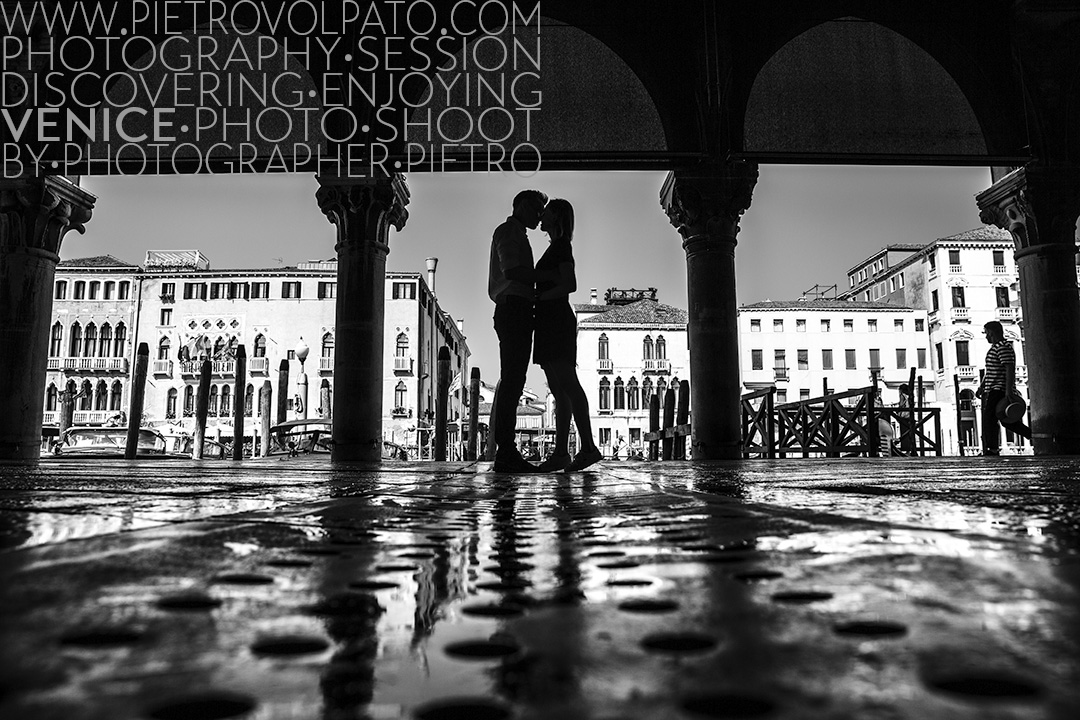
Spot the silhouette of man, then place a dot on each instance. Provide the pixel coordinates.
(511, 286)
(999, 383)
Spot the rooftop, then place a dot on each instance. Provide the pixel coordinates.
(822, 304)
(642, 312)
(97, 261)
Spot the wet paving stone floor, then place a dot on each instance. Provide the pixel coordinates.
(900, 588)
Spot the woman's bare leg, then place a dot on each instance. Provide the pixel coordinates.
(563, 410)
(566, 377)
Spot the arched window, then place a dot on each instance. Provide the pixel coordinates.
(101, 397)
(189, 399)
(213, 399)
(75, 346)
(675, 386)
(163, 348)
(402, 347)
(661, 347)
(401, 395)
(94, 287)
(105, 341)
(661, 391)
(328, 345)
(646, 393)
(109, 287)
(605, 394)
(602, 347)
(120, 341)
(647, 348)
(61, 290)
(86, 399)
(260, 346)
(170, 404)
(226, 396)
(620, 394)
(117, 396)
(80, 290)
(632, 395)
(249, 400)
(50, 398)
(56, 341)
(90, 343)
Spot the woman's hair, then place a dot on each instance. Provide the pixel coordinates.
(564, 215)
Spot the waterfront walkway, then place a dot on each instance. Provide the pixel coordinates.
(900, 588)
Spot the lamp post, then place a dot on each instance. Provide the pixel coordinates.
(302, 351)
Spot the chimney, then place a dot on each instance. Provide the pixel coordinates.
(461, 326)
(592, 296)
(432, 263)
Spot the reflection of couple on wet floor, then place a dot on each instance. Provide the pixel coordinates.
(535, 301)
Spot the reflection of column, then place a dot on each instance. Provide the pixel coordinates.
(705, 206)
(1039, 207)
(35, 214)
(362, 211)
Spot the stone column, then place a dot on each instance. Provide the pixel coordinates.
(1039, 207)
(35, 214)
(705, 205)
(362, 211)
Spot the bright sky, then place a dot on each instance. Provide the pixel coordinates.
(807, 225)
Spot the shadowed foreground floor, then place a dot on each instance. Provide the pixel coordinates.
(928, 588)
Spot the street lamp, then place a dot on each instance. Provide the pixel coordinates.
(302, 351)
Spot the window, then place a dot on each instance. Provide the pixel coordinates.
(86, 402)
(120, 341)
(101, 396)
(803, 359)
(999, 258)
(940, 351)
(605, 394)
(933, 262)
(213, 399)
(875, 359)
(757, 361)
(194, 291)
(50, 398)
(239, 290)
(920, 325)
(290, 290)
(800, 326)
(90, 341)
(635, 437)
(826, 326)
(95, 286)
(661, 391)
(56, 340)
(849, 326)
(249, 400)
(901, 359)
(602, 347)
(168, 291)
(1002, 296)
(661, 348)
(804, 393)
(871, 325)
(632, 395)
(954, 257)
(260, 290)
(898, 325)
(892, 284)
(163, 349)
(778, 325)
(260, 346)
(826, 359)
(403, 291)
(116, 398)
(327, 345)
(105, 340)
(170, 403)
(189, 399)
(327, 290)
(958, 297)
(61, 290)
(401, 395)
(124, 291)
(849, 357)
(80, 290)
(226, 396)
(647, 348)
(75, 346)
(920, 354)
(934, 305)
(219, 290)
(166, 316)
(781, 396)
(620, 394)
(605, 436)
(962, 357)
(755, 325)
(780, 361)
(401, 346)
(646, 393)
(109, 287)
(290, 355)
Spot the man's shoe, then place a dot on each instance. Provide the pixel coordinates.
(514, 464)
(584, 459)
(555, 463)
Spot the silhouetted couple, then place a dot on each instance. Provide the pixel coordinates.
(535, 300)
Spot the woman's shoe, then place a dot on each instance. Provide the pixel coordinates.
(555, 463)
(584, 459)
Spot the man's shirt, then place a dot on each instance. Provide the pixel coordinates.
(509, 249)
(1000, 354)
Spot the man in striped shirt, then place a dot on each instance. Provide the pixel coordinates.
(998, 383)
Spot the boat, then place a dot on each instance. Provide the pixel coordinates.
(307, 437)
(108, 442)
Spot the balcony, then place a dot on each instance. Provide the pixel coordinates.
(51, 417)
(967, 372)
(92, 417)
(259, 365)
(220, 368)
(53, 364)
(656, 365)
(956, 269)
(1006, 314)
(163, 368)
(780, 373)
(89, 365)
(960, 314)
(1001, 269)
(401, 412)
(604, 365)
(326, 364)
(168, 298)
(403, 364)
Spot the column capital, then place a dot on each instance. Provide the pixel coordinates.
(707, 203)
(36, 213)
(364, 209)
(1037, 205)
